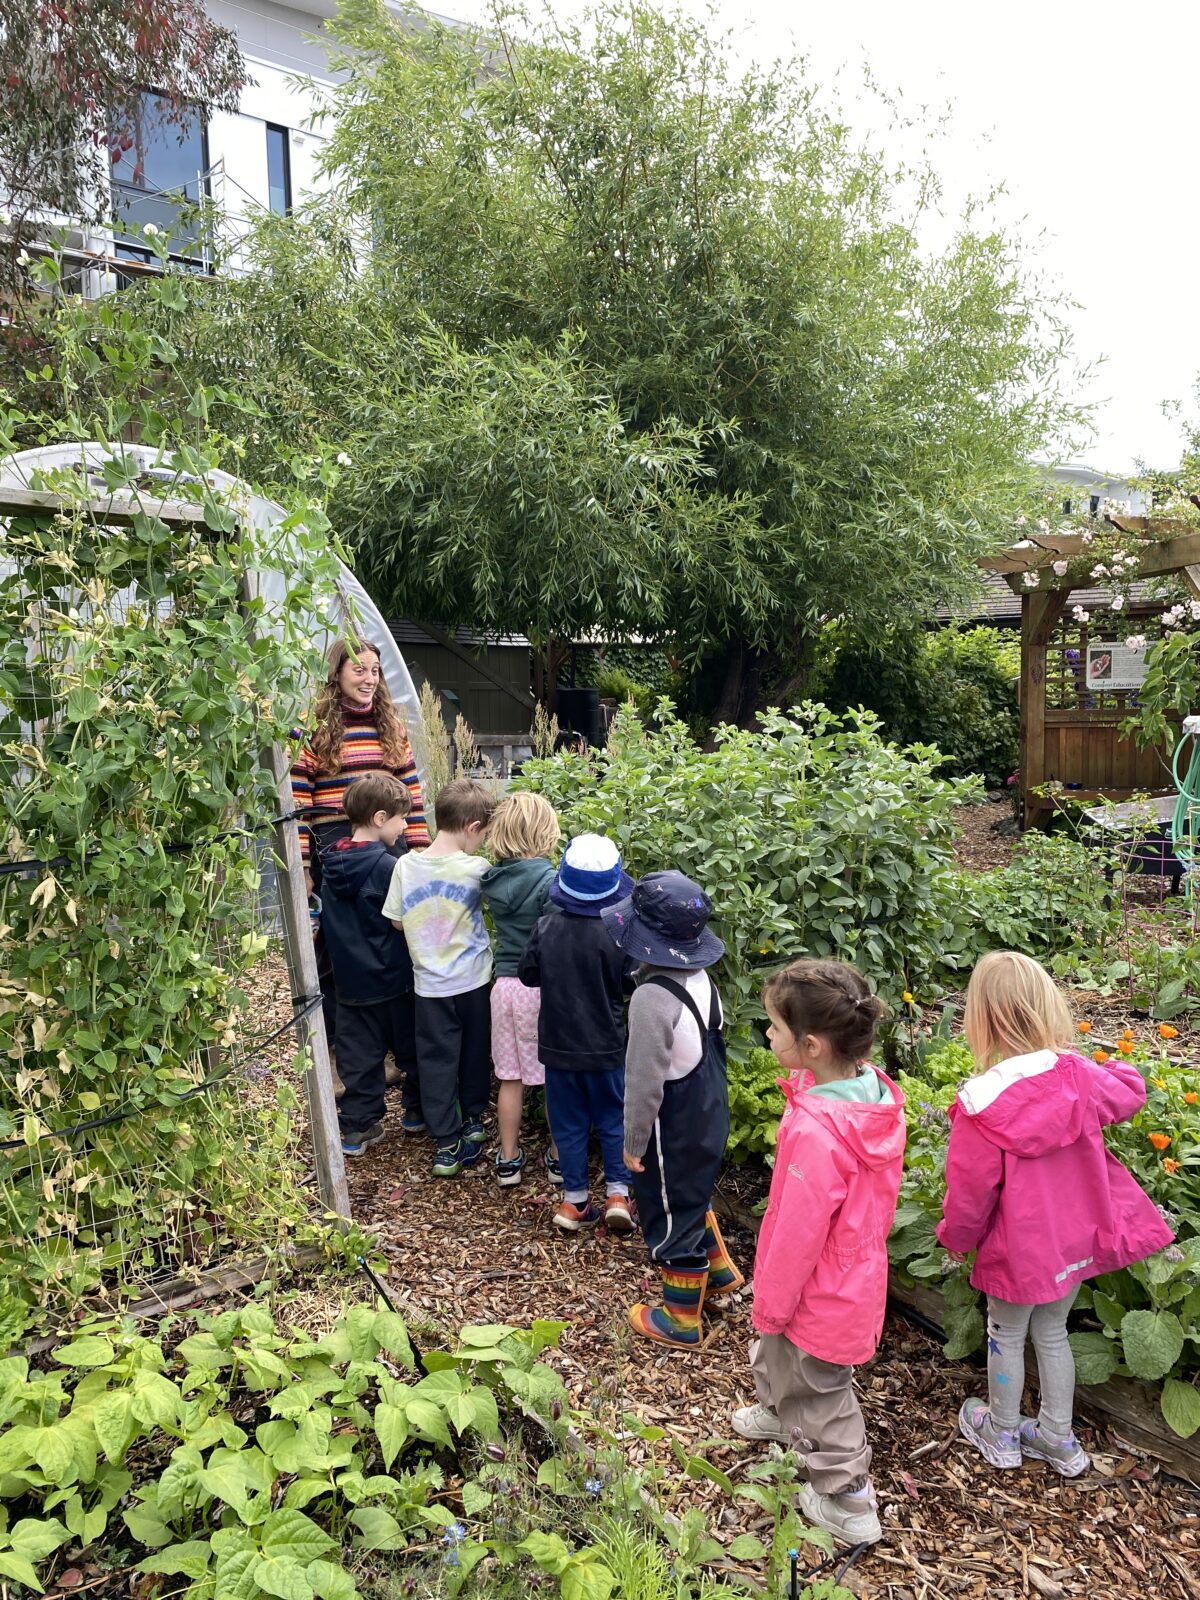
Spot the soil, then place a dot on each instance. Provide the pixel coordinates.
(466, 1251)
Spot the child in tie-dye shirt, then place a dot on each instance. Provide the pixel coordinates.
(435, 898)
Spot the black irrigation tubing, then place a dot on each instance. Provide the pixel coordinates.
(309, 1004)
(33, 864)
(381, 1291)
(798, 1577)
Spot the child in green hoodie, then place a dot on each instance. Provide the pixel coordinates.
(524, 830)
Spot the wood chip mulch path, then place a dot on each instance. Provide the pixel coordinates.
(466, 1251)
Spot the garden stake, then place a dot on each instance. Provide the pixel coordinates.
(794, 1586)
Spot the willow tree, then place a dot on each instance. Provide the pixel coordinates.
(620, 340)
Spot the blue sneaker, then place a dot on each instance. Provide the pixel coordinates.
(413, 1122)
(474, 1130)
(357, 1144)
(553, 1169)
(452, 1158)
(508, 1173)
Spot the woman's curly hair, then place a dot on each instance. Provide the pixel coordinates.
(329, 729)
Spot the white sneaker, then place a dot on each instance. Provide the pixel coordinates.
(759, 1423)
(850, 1518)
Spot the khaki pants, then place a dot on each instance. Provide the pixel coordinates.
(815, 1400)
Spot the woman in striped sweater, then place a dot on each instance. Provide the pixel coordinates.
(355, 729)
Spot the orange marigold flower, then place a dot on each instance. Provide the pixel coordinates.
(1190, 1097)
(1166, 1031)
(1160, 1141)
(1124, 1046)
(1100, 1055)
(1169, 1165)
(1085, 1027)
(1128, 1034)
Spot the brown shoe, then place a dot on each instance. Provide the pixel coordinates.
(618, 1217)
(392, 1076)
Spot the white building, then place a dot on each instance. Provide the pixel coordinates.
(263, 157)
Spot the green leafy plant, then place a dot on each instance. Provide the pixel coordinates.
(252, 1457)
(810, 834)
(956, 690)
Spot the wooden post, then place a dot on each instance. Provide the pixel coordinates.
(1040, 614)
(302, 975)
(302, 970)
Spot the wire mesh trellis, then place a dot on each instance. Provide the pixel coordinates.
(143, 1132)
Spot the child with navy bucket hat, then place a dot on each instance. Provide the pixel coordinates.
(584, 980)
(676, 1099)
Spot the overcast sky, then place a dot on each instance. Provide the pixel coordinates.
(1087, 114)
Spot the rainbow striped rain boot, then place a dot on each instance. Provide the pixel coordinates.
(723, 1276)
(677, 1321)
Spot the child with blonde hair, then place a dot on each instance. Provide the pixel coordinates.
(820, 1273)
(1034, 1191)
(523, 834)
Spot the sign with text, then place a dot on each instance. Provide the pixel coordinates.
(1112, 666)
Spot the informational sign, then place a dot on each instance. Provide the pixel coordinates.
(1112, 666)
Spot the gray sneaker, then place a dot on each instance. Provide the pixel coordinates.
(1000, 1447)
(759, 1423)
(850, 1518)
(1069, 1459)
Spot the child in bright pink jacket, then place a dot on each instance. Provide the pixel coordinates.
(820, 1275)
(1034, 1191)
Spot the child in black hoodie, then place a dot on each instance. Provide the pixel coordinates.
(584, 979)
(372, 969)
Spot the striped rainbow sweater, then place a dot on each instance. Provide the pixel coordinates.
(361, 753)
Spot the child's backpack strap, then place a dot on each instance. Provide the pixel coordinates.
(681, 993)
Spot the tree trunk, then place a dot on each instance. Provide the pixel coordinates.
(741, 681)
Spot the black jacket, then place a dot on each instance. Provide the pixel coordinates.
(584, 979)
(370, 958)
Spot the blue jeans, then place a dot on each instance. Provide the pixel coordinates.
(577, 1102)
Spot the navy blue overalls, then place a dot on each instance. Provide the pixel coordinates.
(683, 1159)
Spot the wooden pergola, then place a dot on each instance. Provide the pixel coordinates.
(1082, 747)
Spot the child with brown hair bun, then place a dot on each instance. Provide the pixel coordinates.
(522, 836)
(820, 1274)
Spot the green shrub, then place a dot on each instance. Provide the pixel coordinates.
(811, 835)
(1051, 897)
(954, 689)
(614, 683)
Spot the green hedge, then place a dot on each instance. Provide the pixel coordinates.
(955, 689)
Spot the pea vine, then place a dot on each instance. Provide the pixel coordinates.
(138, 686)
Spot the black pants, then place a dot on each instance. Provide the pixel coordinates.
(365, 1035)
(454, 1059)
(682, 1163)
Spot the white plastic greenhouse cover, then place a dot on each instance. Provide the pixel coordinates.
(17, 471)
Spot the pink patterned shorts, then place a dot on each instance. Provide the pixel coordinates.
(515, 1032)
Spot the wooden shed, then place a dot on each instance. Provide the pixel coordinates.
(1071, 722)
(488, 680)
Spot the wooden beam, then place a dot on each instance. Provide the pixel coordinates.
(1181, 548)
(1040, 614)
(110, 512)
(448, 642)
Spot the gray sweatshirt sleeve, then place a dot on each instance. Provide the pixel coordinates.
(653, 1014)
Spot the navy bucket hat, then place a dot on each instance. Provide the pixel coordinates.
(663, 923)
(589, 878)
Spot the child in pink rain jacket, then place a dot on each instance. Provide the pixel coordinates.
(820, 1275)
(1032, 1188)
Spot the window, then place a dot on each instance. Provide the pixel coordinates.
(159, 172)
(279, 170)
(1066, 508)
(1094, 504)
